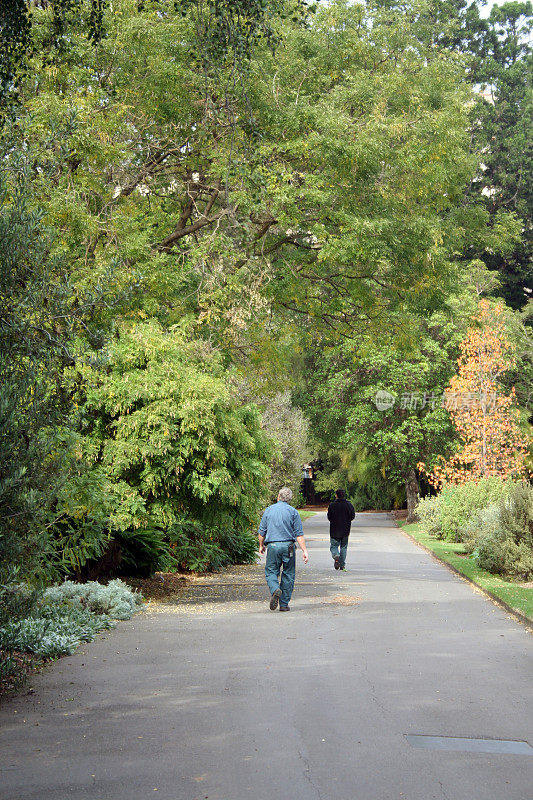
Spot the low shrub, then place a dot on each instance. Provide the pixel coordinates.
(67, 615)
(194, 549)
(8, 666)
(500, 537)
(379, 494)
(59, 631)
(483, 538)
(17, 600)
(447, 515)
(15, 667)
(116, 599)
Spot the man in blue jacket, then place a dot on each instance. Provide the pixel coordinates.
(279, 530)
(340, 515)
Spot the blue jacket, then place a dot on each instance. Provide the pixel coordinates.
(280, 523)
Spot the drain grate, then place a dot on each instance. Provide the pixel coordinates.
(467, 745)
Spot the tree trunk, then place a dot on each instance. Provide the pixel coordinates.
(411, 487)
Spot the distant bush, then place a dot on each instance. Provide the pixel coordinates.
(17, 600)
(372, 492)
(288, 429)
(500, 537)
(380, 495)
(447, 514)
(483, 537)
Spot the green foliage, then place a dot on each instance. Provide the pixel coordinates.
(174, 229)
(226, 30)
(502, 129)
(484, 540)
(380, 494)
(75, 542)
(144, 551)
(16, 600)
(500, 537)
(378, 449)
(8, 667)
(361, 476)
(195, 549)
(33, 416)
(14, 41)
(198, 548)
(371, 128)
(174, 446)
(447, 514)
(241, 547)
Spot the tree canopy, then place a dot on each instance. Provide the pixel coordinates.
(217, 217)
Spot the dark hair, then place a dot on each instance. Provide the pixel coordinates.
(341, 494)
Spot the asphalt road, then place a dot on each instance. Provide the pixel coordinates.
(218, 698)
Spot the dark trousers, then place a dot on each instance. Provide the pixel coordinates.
(338, 548)
(278, 558)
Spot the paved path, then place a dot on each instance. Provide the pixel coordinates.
(217, 699)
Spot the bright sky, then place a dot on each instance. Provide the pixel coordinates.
(485, 10)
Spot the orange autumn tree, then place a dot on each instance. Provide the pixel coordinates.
(485, 418)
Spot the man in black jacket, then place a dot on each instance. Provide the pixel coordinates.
(340, 515)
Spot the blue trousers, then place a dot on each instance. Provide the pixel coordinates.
(278, 559)
(338, 547)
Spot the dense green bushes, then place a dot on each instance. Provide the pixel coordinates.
(111, 456)
(179, 468)
(33, 416)
(500, 537)
(447, 514)
(493, 518)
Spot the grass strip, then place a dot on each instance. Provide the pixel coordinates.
(305, 514)
(516, 597)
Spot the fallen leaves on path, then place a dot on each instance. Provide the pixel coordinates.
(343, 600)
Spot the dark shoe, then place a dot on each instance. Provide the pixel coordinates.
(284, 608)
(274, 600)
(342, 567)
(337, 562)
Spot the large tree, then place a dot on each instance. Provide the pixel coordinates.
(328, 185)
(502, 122)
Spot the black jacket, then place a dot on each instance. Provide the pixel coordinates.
(340, 515)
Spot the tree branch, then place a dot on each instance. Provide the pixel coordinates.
(178, 234)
